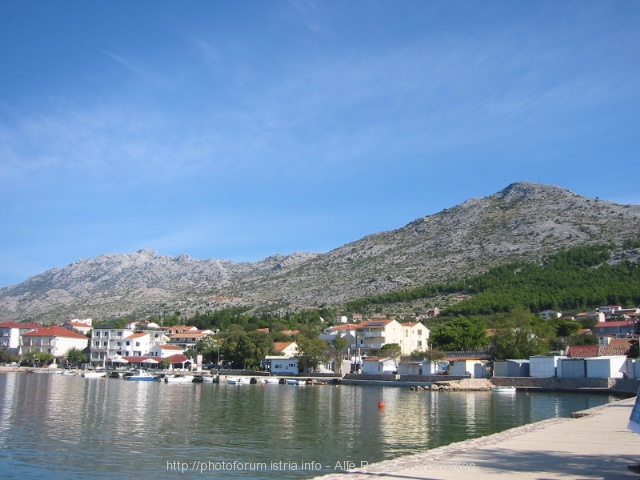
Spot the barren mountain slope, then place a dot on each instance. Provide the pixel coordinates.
(524, 220)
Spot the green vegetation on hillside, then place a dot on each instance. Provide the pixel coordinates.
(576, 279)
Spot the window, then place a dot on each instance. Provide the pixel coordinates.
(128, 343)
(137, 344)
(420, 333)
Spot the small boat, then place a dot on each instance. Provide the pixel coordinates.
(70, 373)
(504, 389)
(296, 381)
(237, 380)
(271, 380)
(141, 376)
(93, 374)
(178, 378)
(206, 379)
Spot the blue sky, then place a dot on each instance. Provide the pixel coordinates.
(238, 130)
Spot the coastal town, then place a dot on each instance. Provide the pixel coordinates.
(362, 346)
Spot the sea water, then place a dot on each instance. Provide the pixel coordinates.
(54, 426)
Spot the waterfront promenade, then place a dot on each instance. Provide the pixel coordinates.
(595, 446)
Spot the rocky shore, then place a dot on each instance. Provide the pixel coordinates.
(465, 385)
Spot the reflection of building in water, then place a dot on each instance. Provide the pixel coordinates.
(8, 388)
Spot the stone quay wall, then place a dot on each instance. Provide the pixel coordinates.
(621, 385)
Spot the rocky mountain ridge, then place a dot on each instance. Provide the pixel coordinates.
(524, 221)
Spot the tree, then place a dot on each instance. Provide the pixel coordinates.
(391, 350)
(245, 350)
(313, 351)
(6, 356)
(75, 356)
(42, 358)
(461, 334)
(516, 343)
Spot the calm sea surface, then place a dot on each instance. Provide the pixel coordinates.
(53, 426)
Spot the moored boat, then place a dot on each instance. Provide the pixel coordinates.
(504, 389)
(140, 376)
(237, 380)
(93, 374)
(296, 381)
(271, 380)
(206, 379)
(178, 378)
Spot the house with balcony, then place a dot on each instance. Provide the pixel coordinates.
(82, 326)
(188, 339)
(11, 335)
(55, 340)
(175, 329)
(415, 336)
(165, 350)
(340, 331)
(372, 335)
(616, 329)
(108, 343)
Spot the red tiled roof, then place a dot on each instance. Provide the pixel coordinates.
(170, 347)
(606, 350)
(178, 358)
(374, 323)
(193, 334)
(575, 351)
(348, 326)
(55, 331)
(280, 346)
(32, 326)
(620, 323)
(136, 335)
(79, 324)
(581, 351)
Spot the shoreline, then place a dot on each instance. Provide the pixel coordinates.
(580, 451)
(441, 383)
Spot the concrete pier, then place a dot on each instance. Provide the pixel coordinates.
(595, 445)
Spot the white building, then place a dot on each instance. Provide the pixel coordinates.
(288, 349)
(374, 334)
(340, 331)
(379, 366)
(108, 343)
(415, 337)
(165, 351)
(281, 365)
(55, 340)
(11, 333)
(83, 326)
(469, 367)
(189, 339)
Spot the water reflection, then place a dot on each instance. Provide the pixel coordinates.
(55, 426)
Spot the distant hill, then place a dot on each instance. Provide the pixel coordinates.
(524, 221)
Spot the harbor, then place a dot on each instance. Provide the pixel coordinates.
(126, 427)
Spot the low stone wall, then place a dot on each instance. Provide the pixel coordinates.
(403, 378)
(622, 385)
